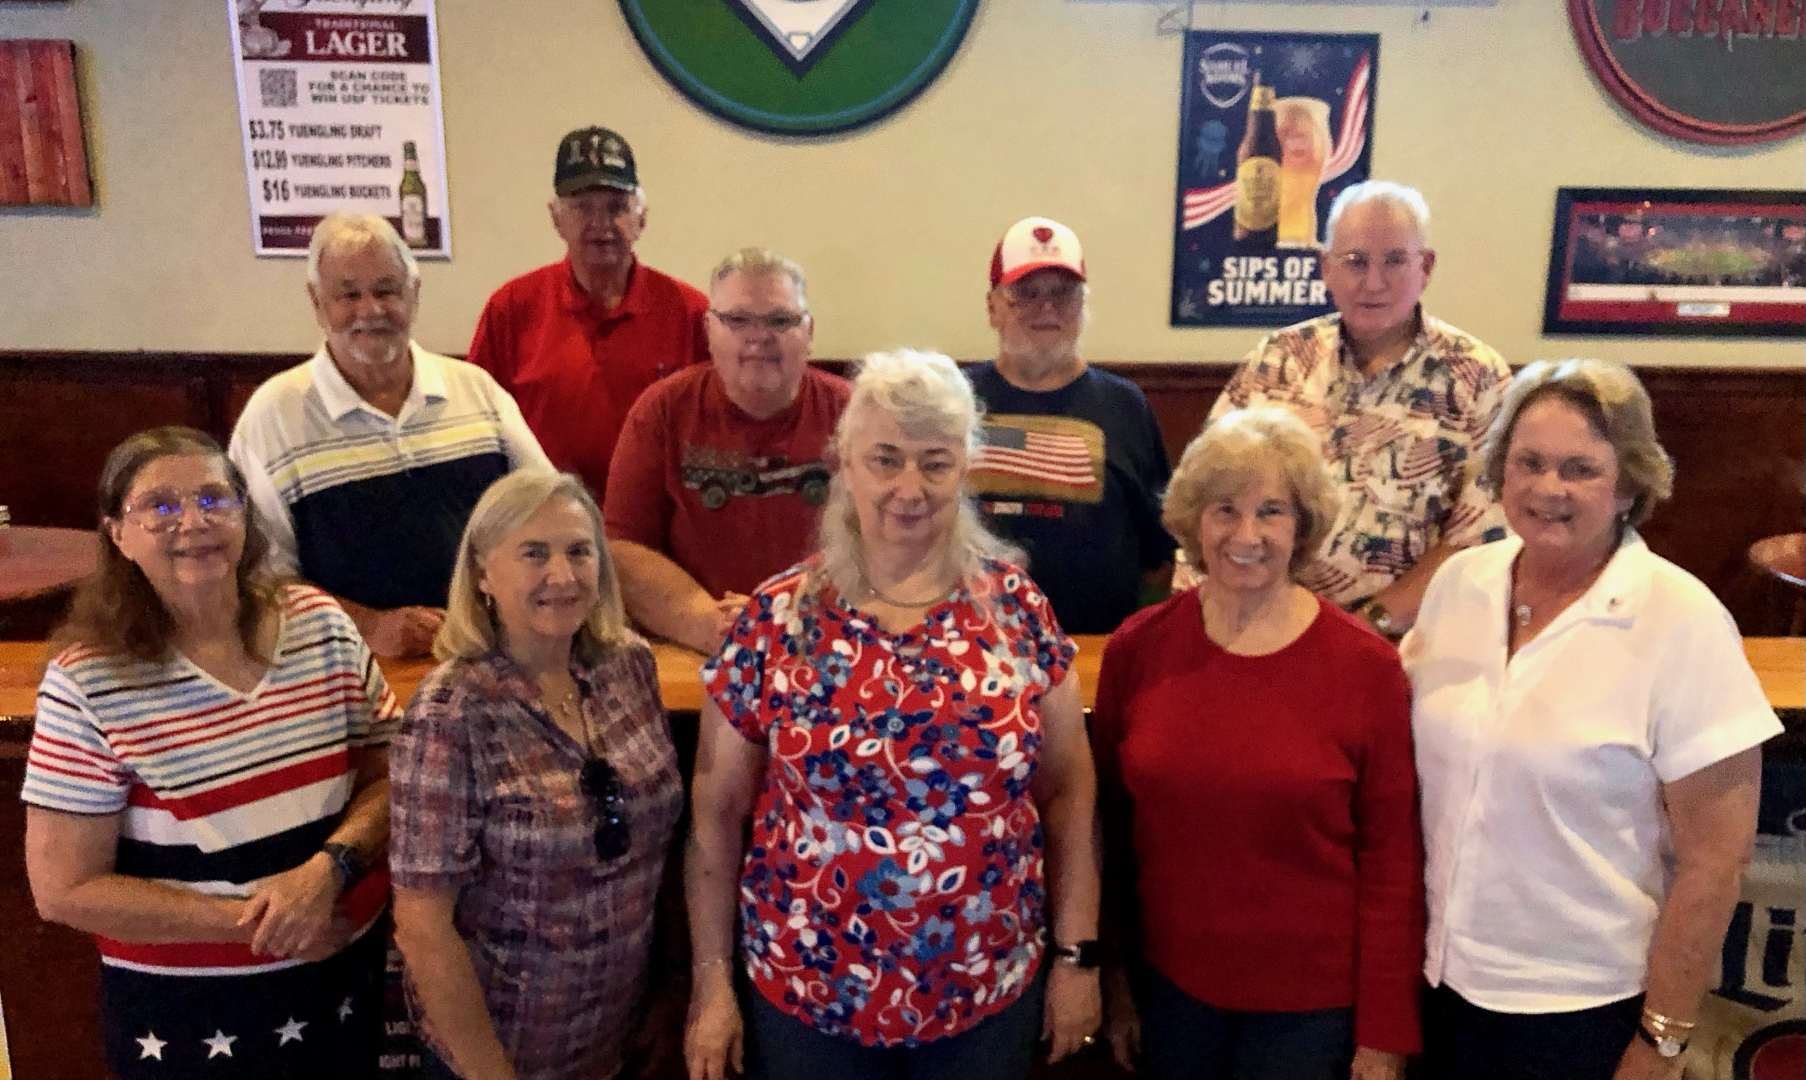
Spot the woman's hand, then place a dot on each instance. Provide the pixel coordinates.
(1122, 1020)
(714, 1036)
(292, 911)
(1371, 1064)
(1641, 1062)
(1073, 1010)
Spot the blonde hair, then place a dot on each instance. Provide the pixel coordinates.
(1231, 453)
(928, 397)
(469, 630)
(759, 262)
(1617, 408)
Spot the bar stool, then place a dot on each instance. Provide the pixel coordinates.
(1784, 559)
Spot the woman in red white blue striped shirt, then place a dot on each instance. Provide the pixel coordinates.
(207, 783)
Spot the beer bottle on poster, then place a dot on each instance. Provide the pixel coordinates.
(413, 198)
(1257, 172)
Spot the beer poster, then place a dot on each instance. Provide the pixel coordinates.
(1272, 127)
(339, 101)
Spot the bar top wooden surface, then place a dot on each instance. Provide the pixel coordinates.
(1779, 662)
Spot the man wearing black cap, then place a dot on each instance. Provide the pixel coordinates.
(576, 342)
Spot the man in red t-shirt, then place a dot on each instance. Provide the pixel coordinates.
(578, 341)
(720, 473)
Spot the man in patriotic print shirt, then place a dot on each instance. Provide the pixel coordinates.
(1401, 401)
(1073, 466)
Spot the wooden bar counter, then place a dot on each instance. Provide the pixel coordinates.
(1779, 662)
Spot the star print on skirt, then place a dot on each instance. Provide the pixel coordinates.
(305, 1022)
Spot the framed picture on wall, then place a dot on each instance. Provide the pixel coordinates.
(1677, 262)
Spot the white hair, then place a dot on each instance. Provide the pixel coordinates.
(341, 226)
(928, 397)
(1406, 200)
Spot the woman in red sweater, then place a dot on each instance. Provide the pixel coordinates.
(1263, 857)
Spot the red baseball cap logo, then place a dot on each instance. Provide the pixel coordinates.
(1043, 234)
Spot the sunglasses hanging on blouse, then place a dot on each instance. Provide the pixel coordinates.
(602, 783)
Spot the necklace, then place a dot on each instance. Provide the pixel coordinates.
(873, 592)
(1523, 613)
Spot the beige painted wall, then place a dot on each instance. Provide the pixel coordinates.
(1054, 107)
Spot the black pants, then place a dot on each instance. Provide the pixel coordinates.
(306, 1022)
(1462, 1041)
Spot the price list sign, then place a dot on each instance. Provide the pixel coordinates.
(340, 105)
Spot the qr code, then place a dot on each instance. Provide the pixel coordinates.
(281, 90)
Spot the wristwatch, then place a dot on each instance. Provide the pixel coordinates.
(1082, 954)
(1666, 1045)
(1667, 1034)
(1378, 617)
(348, 861)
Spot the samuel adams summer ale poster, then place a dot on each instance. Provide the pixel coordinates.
(1272, 127)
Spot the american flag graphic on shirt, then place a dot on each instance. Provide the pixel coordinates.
(1047, 457)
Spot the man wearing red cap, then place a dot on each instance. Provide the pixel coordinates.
(1073, 465)
(578, 341)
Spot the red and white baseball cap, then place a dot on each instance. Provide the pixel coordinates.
(1034, 244)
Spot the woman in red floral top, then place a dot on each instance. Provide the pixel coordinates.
(898, 716)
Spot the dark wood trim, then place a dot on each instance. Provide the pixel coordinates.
(1736, 435)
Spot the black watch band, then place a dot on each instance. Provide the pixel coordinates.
(1082, 954)
(348, 861)
(1667, 1046)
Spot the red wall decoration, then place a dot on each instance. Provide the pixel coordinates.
(43, 160)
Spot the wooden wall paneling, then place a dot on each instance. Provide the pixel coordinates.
(1180, 395)
(62, 414)
(1738, 437)
(40, 117)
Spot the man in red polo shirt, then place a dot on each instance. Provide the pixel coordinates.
(578, 341)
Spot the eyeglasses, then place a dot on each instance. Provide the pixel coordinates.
(600, 208)
(778, 322)
(1063, 295)
(602, 783)
(1393, 264)
(161, 511)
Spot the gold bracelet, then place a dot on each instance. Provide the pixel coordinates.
(708, 963)
(1664, 1022)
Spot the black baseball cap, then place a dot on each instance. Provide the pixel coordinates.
(594, 157)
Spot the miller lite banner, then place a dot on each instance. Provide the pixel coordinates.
(1272, 127)
(339, 101)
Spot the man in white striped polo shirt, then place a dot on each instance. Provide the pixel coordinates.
(365, 462)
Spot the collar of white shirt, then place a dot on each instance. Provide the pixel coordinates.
(341, 399)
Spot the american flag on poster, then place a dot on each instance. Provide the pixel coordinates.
(1056, 457)
(1204, 205)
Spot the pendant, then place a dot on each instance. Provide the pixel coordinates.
(1523, 613)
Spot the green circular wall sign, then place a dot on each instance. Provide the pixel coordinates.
(800, 67)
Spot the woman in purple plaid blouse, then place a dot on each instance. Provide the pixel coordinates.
(535, 791)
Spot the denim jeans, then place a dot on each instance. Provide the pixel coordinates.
(999, 1047)
(1183, 1038)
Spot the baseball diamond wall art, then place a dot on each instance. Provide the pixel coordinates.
(800, 67)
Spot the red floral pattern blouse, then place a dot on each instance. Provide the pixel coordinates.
(893, 892)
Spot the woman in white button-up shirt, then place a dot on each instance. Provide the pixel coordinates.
(1587, 740)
